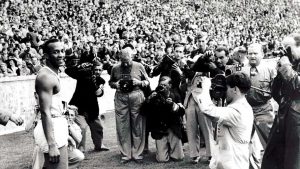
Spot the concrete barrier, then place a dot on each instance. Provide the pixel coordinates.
(17, 96)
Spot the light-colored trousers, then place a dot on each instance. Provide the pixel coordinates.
(196, 120)
(169, 146)
(130, 124)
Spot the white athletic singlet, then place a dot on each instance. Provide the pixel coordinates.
(59, 122)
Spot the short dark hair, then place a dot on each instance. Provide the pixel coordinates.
(177, 45)
(223, 48)
(128, 45)
(45, 46)
(163, 78)
(240, 80)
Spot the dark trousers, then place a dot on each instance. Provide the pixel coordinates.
(96, 131)
(283, 148)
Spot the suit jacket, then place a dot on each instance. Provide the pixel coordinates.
(161, 116)
(84, 96)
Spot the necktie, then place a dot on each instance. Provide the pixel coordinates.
(253, 71)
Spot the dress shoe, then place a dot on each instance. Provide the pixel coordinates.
(206, 160)
(102, 148)
(195, 160)
(125, 160)
(139, 159)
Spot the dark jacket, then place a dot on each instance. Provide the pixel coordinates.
(161, 116)
(84, 96)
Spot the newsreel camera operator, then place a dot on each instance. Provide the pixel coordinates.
(234, 121)
(196, 120)
(283, 148)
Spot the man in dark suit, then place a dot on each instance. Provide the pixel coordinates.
(164, 111)
(89, 87)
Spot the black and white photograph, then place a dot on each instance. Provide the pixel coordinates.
(150, 84)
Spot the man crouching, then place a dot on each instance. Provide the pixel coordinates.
(164, 112)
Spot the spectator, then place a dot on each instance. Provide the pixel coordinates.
(12, 66)
(36, 64)
(3, 69)
(23, 70)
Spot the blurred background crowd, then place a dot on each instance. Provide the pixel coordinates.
(97, 29)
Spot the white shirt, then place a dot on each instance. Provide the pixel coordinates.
(235, 123)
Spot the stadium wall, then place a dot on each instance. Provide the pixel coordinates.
(17, 96)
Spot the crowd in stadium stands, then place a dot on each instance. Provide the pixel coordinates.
(94, 29)
(182, 42)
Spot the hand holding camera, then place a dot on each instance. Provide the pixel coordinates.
(125, 85)
(136, 82)
(117, 84)
(99, 91)
(176, 67)
(152, 95)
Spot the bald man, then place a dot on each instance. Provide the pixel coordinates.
(128, 77)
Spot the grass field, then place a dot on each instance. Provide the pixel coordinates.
(16, 152)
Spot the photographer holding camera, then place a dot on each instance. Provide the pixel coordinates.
(88, 88)
(283, 148)
(235, 122)
(210, 63)
(129, 78)
(164, 111)
(173, 67)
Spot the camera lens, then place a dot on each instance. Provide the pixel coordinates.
(159, 89)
